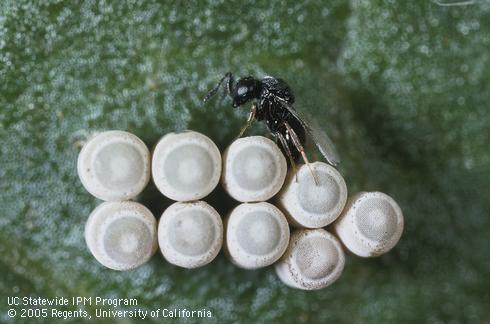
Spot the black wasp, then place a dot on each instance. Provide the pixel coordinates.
(272, 103)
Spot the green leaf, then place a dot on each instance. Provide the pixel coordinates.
(401, 87)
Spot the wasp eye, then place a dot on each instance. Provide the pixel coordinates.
(242, 91)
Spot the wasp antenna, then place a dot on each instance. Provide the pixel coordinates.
(228, 78)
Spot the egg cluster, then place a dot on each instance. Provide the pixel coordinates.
(301, 221)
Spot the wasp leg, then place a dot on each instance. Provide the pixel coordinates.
(250, 119)
(300, 148)
(285, 145)
(228, 78)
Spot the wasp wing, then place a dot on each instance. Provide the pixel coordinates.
(321, 139)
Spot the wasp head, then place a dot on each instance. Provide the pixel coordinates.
(245, 89)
